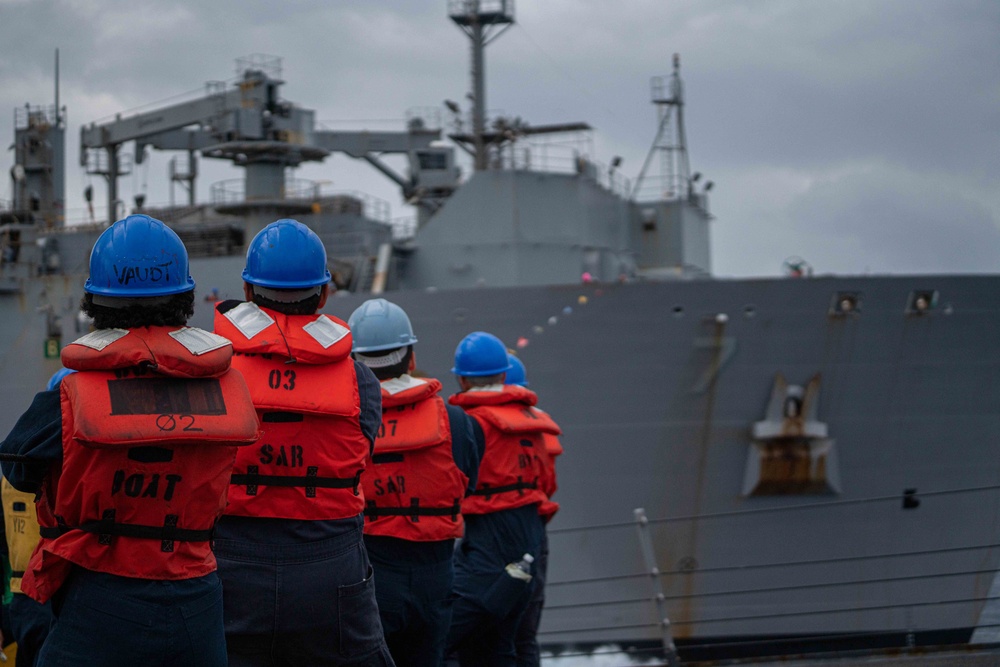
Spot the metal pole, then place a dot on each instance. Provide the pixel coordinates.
(642, 523)
(478, 93)
(192, 175)
(58, 118)
(112, 177)
(382, 268)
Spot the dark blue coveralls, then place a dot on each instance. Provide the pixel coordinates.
(275, 613)
(414, 579)
(104, 619)
(526, 640)
(483, 625)
(29, 622)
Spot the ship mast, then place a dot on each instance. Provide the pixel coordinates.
(674, 180)
(479, 19)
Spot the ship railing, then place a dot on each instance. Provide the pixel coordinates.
(45, 219)
(76, 216)
(404, 229)
(374, 208)
(425, 118)
(481, 7)
(198, 214)
(76, 219)
(559, 158)
(876, 571)
(331, 201)
(233, 191)
(687, 648)
(670, 188)
(756, 651)
(42, 116)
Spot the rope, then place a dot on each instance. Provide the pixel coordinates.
(787, 508)
(774, 589)
(817, 612)
(818, 561)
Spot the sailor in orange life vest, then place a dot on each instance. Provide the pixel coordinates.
(526, 640)
(130, 459)
(503, 522)
(30, 621)
(299, 588)
(426, 461)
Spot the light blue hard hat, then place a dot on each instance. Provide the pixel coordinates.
(138, 256)
(517, 374)
(479, 354)
(57, 377)
(378, 324)
(286, 255)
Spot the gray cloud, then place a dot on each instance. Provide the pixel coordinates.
(870, 219)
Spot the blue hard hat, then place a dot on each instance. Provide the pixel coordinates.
(57, 377)
(378, 324)
(286, 255)
(480, 353)
(136, 257)
(517, 374)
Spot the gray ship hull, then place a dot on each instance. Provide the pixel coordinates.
(657, 395)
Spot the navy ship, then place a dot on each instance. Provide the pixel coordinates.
(763, 467)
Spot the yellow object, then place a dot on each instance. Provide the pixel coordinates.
(21, 523)
(9, 654)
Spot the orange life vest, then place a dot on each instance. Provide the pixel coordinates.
(414, 489)
(308, 462)
(553, 448)
(150, 430)
(513, 466)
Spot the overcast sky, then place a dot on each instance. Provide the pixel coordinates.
(863, 136)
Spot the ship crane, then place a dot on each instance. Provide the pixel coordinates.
(251, 126)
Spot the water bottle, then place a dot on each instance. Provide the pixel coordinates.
(522, 568)
(509, 587)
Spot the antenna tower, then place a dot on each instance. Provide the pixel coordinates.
(670, 145)
(483, 21)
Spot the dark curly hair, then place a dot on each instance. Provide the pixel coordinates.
(307, 306)
(174, 311)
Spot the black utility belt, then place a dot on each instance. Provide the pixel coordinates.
(414, 511)
(107, 528)
(311, 481)
(519, 486)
